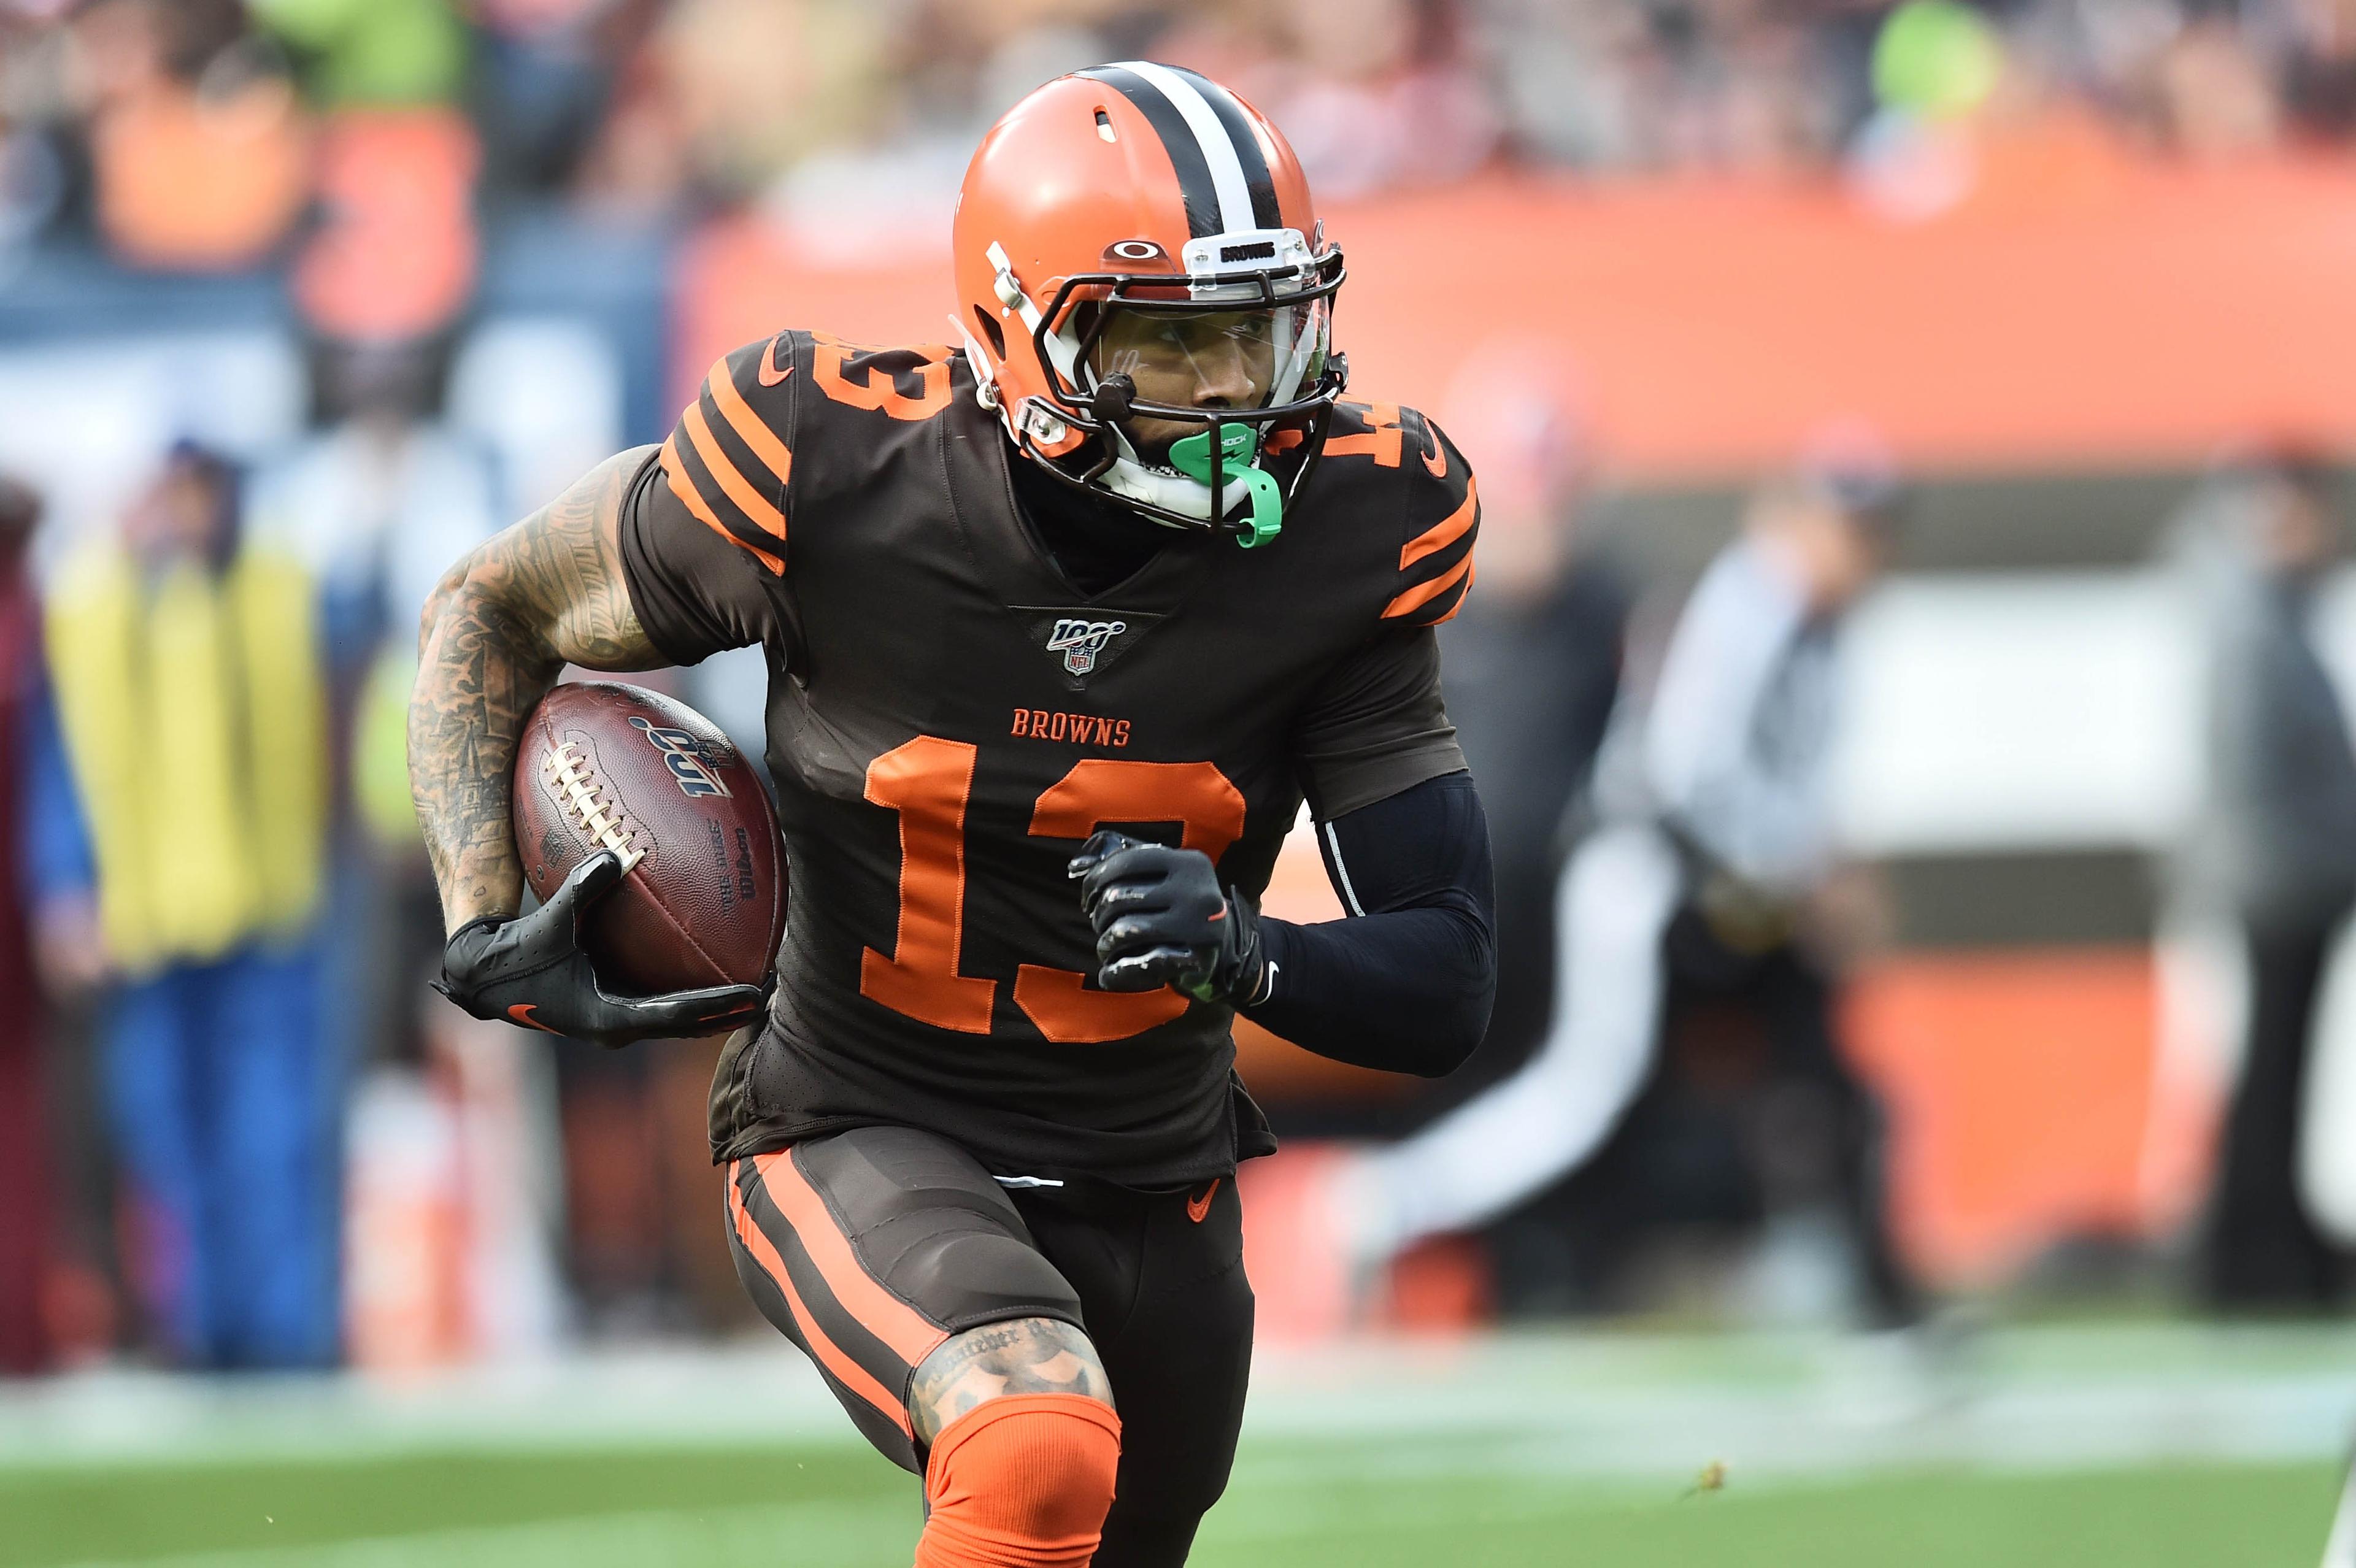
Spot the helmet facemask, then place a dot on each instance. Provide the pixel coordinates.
(1180, 464)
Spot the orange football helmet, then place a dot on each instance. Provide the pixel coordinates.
(1148, 186)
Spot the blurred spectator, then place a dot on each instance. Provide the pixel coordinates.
(2319, 78)
(24, 1198)
(1691, 899)
(1966, 110)
(378, 503)
(394, 254)
(2217, 96)
(757, 84)
(2275, 851)
(637, 164)
(1533, 664)
(371, 53)
(197, 152)
(1376, 94)
(1936, 59)
(375, 507)
(1568, 79)
(545, 75)
(187, 669)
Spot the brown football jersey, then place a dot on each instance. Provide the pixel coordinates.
(949, 717)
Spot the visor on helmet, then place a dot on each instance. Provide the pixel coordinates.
(1246, 359)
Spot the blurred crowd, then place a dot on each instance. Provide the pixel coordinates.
(235, 1132)
(216, 133)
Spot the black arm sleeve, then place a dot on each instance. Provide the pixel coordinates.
(1403, 985)
(1377, 726)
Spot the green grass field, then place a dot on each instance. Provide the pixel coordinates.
(1289, 1505)
(2117, 1444)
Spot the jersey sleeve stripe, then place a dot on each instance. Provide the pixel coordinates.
(830, 1355)
(747, 424)
(1423, 593)
(1462, 594)
(1445, 532)
(732, 481)
(910, 1335)
(683, 487)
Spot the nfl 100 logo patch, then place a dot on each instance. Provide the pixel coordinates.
(683, 754)
(1080, 641)
(1084, 640)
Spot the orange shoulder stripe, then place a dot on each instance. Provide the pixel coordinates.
(848, 1373)
(1423, 593)
(684, 488)
(1467, 593)
(1443, 533)
(751, 502)
(749, 424)
(911, 1335)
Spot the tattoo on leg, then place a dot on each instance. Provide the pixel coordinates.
(1026, 1355)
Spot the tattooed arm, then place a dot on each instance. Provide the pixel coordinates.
(1022, 1355)
(500, 627)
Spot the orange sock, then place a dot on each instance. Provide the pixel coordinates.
(1020, 1482)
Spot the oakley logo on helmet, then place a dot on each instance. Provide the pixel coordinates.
(683, 757)
(1081, 641)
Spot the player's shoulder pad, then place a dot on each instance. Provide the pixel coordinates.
(880, 391)
(804, 418)
(730, 459)
(1403, 466)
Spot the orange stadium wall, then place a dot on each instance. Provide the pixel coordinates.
(2087, 310)
(2023, 1102)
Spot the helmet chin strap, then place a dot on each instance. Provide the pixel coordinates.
(1184, 485)
(1172, 492)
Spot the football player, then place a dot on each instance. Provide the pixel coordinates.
(1063, 622)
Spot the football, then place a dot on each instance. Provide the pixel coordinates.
(702, 901)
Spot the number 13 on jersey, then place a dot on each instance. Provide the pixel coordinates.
(928, 782)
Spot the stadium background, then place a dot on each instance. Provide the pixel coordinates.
(2062, 256)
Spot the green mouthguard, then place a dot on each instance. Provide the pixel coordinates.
(1192, 457)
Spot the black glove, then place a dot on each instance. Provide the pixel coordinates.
(1161, 919)
(531, 971)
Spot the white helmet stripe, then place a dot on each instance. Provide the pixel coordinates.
(1218, 148)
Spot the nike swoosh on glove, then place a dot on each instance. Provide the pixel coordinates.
(529, 970)
(1161, 919)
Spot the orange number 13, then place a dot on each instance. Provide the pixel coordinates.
(928, 782)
